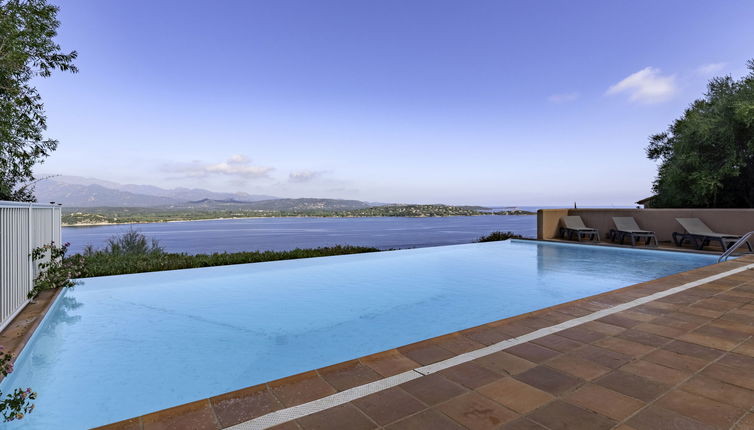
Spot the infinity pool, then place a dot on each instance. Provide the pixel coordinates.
(121, 346)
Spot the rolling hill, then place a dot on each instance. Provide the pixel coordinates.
(77, 191)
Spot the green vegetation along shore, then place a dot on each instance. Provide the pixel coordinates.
(101, 263)
(132, 252)
(111, 215)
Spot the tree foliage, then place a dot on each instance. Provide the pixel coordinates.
(27, 50)
(499, 235)
(707, 156)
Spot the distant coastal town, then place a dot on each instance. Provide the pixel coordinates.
(128, 215)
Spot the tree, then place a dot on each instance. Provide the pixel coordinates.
(707, 156)
(27, 50)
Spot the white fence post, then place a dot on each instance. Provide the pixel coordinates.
(23, 227)
(31, 246)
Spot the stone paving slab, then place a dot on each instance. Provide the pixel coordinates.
(684, 361)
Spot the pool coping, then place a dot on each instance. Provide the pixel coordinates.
(260, 406)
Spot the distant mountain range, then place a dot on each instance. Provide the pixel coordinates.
(88, 201)
(77, 191)
(276, 205)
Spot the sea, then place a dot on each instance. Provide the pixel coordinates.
(286, 233)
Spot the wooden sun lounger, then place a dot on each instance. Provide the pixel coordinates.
(627, 227)
(575, 225)
(700, 235)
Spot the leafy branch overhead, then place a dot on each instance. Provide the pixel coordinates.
(27, 50)
(707, 156)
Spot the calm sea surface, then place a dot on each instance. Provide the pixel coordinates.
(279, 234)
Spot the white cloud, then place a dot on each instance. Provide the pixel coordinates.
(563, 97)
(300, 176)
(710, 69)
(238, 159)
(646, 86)
(237, 166)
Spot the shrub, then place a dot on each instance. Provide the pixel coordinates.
(55, 270)
(499, 235)
(132, 252)
(101, 263)
(132, 242)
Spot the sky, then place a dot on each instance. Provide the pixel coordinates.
(412, 101)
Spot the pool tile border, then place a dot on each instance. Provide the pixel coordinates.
(426, 357)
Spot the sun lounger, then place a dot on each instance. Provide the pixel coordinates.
(575, 225)
(700, 235)
(627, 227)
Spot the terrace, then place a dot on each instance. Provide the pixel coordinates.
(675, 352)
(672, 351)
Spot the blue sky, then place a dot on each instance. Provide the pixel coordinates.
(484, 102)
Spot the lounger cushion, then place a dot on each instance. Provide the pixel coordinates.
(574, 222)
(696, 227)
(627, 224)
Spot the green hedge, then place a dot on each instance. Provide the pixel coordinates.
(101, 263)
(499, 235)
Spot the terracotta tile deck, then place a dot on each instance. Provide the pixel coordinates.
(684, 361)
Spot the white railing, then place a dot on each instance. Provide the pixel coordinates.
(23, 227)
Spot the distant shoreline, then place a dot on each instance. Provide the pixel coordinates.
(94, 224)
(98, 224)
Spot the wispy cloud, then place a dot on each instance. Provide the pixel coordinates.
(237, 166)
(710, 69)
(300, 176)
(647, 85)
(563, 97)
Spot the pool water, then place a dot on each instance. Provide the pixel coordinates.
(121, 346)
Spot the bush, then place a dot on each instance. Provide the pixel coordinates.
(132, 242)
(132, 252)
(102, 263)
(499, 235)
(55, 270)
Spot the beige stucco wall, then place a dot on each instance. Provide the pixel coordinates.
(548, 222)
(661, 221)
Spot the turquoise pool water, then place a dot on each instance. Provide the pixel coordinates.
(121, 346)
